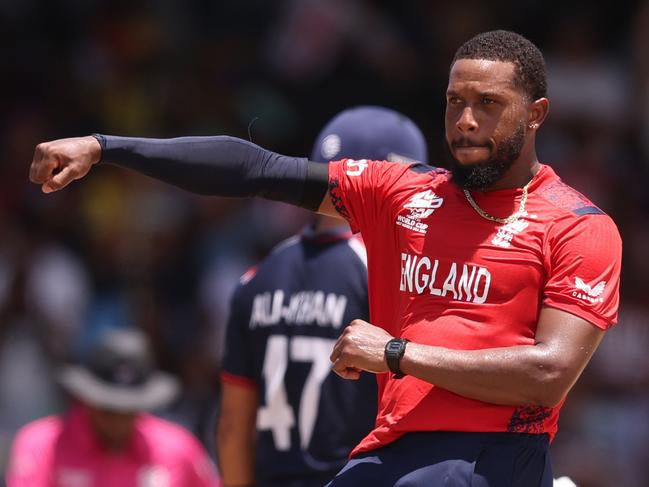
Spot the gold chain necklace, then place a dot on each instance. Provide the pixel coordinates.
(504, 221)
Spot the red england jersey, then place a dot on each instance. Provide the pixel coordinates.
(440, 274)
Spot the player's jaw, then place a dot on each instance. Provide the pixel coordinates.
(478, 165)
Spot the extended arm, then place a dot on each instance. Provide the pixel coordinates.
(236, 434)
(220, 165)
(539, 374)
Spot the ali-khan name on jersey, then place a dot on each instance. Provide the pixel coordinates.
(302, 308)
(464, 282)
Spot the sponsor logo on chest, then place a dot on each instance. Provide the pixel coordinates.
(420, 206)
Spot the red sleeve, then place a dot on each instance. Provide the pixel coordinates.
(584, 260)
(238, 380)
(361, 190)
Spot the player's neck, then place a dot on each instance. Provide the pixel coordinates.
(521, 172)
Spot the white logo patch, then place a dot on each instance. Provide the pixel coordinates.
(588, 293)
(506, 233)
(356, 168)
(421, 206)
(330, 146)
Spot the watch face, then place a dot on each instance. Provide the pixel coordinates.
(394, 346)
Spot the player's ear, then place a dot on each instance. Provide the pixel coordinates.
(537, 112)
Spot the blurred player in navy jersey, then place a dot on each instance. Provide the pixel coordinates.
(286, 419)
(490, 285)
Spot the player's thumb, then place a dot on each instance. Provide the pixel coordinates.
(60, 180)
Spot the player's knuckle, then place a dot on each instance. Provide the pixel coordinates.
(48, 150)
(39, 155)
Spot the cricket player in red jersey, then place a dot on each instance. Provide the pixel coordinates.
(490, 286)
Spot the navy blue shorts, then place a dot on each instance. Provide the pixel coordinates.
(439, 458)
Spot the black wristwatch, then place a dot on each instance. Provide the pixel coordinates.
(394, 350)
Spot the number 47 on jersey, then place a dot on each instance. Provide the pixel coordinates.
(278, 415)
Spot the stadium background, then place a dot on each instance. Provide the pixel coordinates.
(122, 250)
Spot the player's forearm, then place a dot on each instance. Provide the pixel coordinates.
(519, 375)
(235, 452)
(219, 165)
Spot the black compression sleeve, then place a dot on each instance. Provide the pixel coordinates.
(219, 165)
(316, 185)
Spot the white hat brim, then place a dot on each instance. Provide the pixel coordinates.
(159, 390)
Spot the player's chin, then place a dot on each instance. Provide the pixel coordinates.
(471, 156)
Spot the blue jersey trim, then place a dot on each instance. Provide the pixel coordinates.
(588, 210)
(421, 168)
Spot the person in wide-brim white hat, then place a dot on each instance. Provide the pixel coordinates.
(118, 374)
(107, 438)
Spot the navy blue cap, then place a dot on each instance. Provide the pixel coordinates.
(370, 132)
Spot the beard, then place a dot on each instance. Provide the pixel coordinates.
(483, 175)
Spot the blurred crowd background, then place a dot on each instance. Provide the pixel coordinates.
(122, 250)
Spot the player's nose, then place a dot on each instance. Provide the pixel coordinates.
(466, 122)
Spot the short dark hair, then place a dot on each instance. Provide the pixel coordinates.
(503, 45)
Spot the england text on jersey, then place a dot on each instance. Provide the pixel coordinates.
(425, 275)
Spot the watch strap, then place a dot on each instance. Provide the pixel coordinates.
(394, 351)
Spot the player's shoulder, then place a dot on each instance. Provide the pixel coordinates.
(283, 250)
(573, 212)
(413, 169)
(288, 249)
(286, 245)
(565, 199)
(421, 168)
(418, 175)
(39, 433)
(396, 169)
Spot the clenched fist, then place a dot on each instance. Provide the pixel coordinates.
(56, 164)
(361, 346)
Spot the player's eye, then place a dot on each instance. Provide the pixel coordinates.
(454, 100)
(488, 101)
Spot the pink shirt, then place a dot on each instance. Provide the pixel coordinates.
(63, 452)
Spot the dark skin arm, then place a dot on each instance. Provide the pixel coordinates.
(236, 434)
(540, 374)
